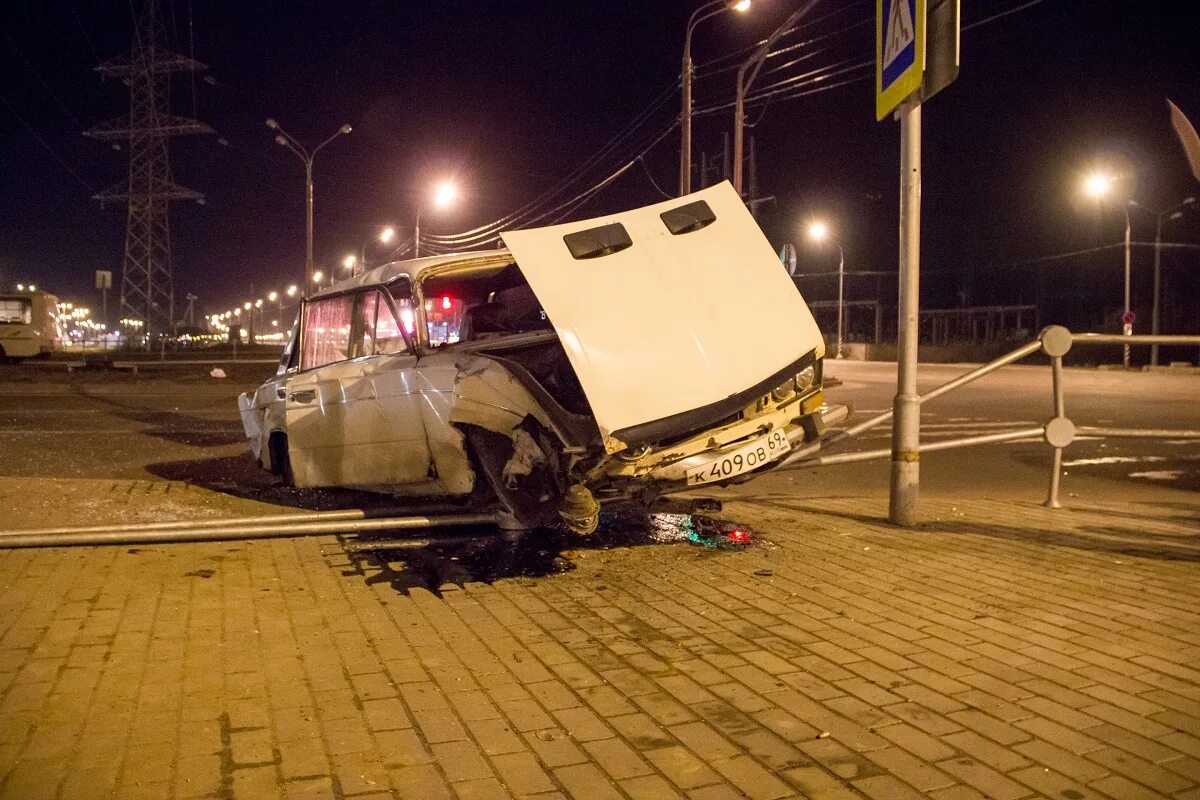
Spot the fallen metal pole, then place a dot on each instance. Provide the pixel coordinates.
(928, 447)
(980, 371)
(12, 539)
(1134, 433)
(366, 546)
(965, 378)
(1113, 338)
(302, 517)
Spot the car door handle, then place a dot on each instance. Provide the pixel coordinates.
(303, 396)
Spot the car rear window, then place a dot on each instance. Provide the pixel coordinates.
(15, 311)
(486, 304)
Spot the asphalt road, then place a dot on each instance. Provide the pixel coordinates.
(1018, 397)
(183, 425)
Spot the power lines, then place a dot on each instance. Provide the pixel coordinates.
(632, 143)
(46, 145)
(615, 157)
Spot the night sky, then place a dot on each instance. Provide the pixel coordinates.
(511, 97)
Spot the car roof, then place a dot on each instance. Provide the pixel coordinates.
(415, 269)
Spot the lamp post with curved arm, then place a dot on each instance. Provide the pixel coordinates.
(710, 9)
(284, 139)
(445, 194)
(746, 75)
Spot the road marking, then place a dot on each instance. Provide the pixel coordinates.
(1089, 462)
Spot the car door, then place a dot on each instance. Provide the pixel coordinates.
(353, 410)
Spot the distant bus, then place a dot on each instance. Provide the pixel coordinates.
(28, 325)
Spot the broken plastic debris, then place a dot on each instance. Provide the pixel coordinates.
(217, 372)
(823, 735)
(763, 573)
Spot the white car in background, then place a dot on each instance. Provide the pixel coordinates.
(28, 325)
(623, 357)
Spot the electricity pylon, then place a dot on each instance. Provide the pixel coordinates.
(147, 283)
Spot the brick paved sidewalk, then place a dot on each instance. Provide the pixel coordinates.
(1000, 651)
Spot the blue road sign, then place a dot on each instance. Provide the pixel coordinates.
(899, 52)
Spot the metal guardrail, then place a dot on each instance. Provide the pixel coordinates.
(1058, 432)
(134, 366)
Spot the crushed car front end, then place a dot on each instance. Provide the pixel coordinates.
(780, 415)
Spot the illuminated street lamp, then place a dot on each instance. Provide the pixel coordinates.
(291, 290)
(1098, 186)
(445, 194)
(276, 297)
(317, 277)
(818, 231)
(359, 264)
(710, 9)
(284, 139)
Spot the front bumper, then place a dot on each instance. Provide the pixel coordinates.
(672, 464)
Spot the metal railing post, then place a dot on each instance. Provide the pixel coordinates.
(1059, 432)
(1056, 366)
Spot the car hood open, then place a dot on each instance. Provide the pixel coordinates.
(658, 324)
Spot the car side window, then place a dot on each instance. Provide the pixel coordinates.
(389, 338)
(363, 331)
(326, 337)
(394, 321)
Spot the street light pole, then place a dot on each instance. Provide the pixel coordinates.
(906, 425)
(1127, 327)
(308, 216)
(1175, 212)
(746, 75)
(284, 139)
(444, 195)
(706, 11)
(841, 302)
(818, 231)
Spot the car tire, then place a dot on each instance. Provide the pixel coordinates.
(281, 463)
(488, 452)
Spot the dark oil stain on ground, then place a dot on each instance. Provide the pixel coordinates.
(541, 552)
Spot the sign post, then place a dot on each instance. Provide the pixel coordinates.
(104, 283)
(903, 80)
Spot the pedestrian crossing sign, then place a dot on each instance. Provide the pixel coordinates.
(899, 52)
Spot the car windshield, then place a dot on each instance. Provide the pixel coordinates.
(481, 305)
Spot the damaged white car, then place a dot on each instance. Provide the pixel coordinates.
(617, 358)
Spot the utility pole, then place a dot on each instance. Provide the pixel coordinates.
(147, 281)
(906, 430)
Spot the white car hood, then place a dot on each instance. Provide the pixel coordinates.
(674, 322)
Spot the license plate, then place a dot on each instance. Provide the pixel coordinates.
(747, 457)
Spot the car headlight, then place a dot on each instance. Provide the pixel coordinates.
(805, 379)
(784, 390)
